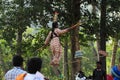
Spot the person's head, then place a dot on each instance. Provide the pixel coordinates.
(80, 71)
(34, 65)
(17, 61)
(54, 25)
(98, 64)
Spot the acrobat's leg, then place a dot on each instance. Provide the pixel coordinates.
(55, 65)
(55, 70)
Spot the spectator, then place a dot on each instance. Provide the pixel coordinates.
(80, 76)
(99, 73)
(55, 45)
(115, 71)
(33, 67)
(17, 69)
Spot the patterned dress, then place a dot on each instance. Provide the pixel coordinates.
(55, 45)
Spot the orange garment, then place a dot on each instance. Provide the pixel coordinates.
(55, 45)
(20, 76)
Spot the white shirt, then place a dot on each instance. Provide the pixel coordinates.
(37, 76)
(78, 78)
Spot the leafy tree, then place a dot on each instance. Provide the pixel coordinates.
(113, 24)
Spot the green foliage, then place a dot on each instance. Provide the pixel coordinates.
(5, 63)
(113, 18)
(31, 17)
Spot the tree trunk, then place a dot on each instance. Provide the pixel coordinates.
(75, 46)
(115, 46)
(76, 63)
(66, 67)
(94, 50)
(103, 32)
(19, 41)
(94, 13)
(98, 46)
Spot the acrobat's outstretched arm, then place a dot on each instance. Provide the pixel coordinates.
(70, 28)
(74, 26)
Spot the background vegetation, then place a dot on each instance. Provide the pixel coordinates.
(24, 25)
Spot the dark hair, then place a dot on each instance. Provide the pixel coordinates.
(99, 62)
(54, 25)
(17, 60)
(34, 65)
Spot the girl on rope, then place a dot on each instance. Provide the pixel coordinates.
(55, 46)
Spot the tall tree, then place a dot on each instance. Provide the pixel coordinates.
(75, 45)
(115, 47)
(113, 20)
(17, 15)
(103, 32)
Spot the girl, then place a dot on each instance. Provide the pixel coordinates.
(55, 45)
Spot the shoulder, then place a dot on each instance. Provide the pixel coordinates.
(57, 29)
(114, 68)
(9, 72)
(103, 71)
(32, 77)
(50, 32)
(20, 70)
(29, 76)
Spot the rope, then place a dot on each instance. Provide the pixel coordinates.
(70, 62)
(40, 49)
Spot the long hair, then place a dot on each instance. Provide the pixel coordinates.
(54, 25)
